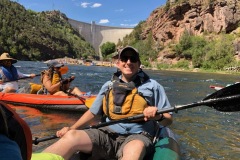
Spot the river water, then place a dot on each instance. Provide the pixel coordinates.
(202, 132)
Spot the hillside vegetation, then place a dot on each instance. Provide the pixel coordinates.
(202, 34)
(30, 35)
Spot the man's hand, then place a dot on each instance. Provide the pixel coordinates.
(32, 75)
(149, 113)
(63, 131)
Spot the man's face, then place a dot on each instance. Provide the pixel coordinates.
(128, 64)
(7, 63)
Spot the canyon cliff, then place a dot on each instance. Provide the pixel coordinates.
(197, 17)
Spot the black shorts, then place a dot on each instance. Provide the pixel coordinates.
(109, 145)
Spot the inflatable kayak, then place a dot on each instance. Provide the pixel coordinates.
(166, 148)
(66, 103)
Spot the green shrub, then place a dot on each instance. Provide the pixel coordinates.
(163, 66)
(182, 64)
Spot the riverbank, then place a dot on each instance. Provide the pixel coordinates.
(72, 61)
(196, 70)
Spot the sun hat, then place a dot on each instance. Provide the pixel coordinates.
(54, 63)
(128, 50)
(6, 56)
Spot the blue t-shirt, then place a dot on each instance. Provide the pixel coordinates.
(154, 94)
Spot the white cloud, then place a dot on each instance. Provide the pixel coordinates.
(103, 21)
(96, 5)
(119, 10)
(128, 25)
(85, 4)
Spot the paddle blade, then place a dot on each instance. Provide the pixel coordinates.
(89, 101)
(227, 99)
(63, 70)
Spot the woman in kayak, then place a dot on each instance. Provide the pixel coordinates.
(54, 84)
(130, 92)
(9, 75)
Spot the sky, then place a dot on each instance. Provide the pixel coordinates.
(116, 13)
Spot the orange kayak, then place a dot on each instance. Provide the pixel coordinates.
(66, 103)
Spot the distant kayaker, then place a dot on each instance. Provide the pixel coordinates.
(53, 82)
(129, 93)
(9, 75)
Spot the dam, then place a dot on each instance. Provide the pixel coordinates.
(97, 35)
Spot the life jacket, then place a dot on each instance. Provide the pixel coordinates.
(9, 73)
(35, 88)
(123, 100)
(18, 131)
(54, 77)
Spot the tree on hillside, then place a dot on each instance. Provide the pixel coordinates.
(30, 35)
(107, 48)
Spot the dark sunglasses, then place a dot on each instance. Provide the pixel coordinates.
(133, 59)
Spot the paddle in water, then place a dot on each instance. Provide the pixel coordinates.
(225, 100)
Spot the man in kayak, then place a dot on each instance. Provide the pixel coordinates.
(130, 92)
(9, 75)
(53, 82)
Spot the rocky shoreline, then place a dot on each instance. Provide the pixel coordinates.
(72, 61)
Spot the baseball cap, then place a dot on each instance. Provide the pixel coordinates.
(129, 50)
(54, 63)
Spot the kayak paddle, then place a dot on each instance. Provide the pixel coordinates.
(22, 78)
(87, 101)
(63, 69)
(225, 100)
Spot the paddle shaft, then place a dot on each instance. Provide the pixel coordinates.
(140, 116)
(166, 110)
(88, 101)
(22, 78)
(37, 140)
(63, 70)
(79, 97)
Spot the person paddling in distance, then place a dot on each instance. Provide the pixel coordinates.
(130, 92)
(9, 75)
(54, 84)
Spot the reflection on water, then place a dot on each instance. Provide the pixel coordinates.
(203, 132)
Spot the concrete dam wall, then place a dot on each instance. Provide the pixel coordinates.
(97, 35)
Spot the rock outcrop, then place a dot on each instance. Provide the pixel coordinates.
(202, 16)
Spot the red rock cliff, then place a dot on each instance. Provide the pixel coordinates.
(198, 17)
